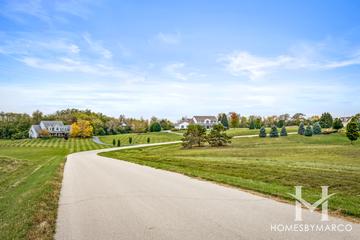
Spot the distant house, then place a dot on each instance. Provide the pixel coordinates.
(54, 128)
(345, 120)
(183, 124)
(205, 121)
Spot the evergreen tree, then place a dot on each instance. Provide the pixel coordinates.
(352, 131)
(148, 140)
(317, 128)
(274, 132)
(308, 131)
(130, 140)
(326, 120)
(337, 124)
(262, 132)
(283, 132)
(301, 129)
(118, 143)
(155, 127)
(113, 142)
(223, 120)
(252, 124)
(217, 136)
(258, 123)
(194, 135)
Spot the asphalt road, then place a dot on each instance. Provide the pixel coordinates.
(103, 198)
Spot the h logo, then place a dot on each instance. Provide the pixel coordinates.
(323, 201)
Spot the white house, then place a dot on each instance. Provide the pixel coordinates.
(54, 128)
(205, 121)
(183, 124)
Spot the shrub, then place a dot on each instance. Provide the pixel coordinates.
(352, 131)
(194, 135)
(217, 136)
(301, 129)
(308, 131)
(114, 142)
(262, 132)
(283, 132)
(274, 132)
(130, 140)
(317, 128)
(337, 124)
(148, 140)
(118, 143)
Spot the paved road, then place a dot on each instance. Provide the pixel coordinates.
(103, 198)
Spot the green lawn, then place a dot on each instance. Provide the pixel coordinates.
(246, 131)
(139, 138)
(30, 183)
(269, 166)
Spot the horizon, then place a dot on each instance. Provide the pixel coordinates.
(180, 59)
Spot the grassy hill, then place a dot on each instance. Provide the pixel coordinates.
(140, 138)
(272, 166)
(30, 183)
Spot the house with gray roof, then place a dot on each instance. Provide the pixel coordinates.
(54, 128)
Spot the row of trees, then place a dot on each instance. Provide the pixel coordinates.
(273, 132)
(234, 120)
(84, 123)
(196, 136)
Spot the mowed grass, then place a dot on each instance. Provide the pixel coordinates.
(140, 138)
(272, 166)
(246, 131)
(30, 183)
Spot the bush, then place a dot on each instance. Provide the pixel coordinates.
(114, 142)
(194, 135)
(301, 129)
(308, 131)
(274, 132)
(262, 132)
(317, 128)
(130, 140)
(337, 124)
(217, 136)
(155, 127)
(148, 140)
(118, 143)
(283, 132)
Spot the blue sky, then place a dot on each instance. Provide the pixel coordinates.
(170, 59)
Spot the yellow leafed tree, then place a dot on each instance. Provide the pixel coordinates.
(82, 128)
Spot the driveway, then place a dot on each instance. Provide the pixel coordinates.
(103, 198)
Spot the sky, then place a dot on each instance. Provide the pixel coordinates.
(180, 58)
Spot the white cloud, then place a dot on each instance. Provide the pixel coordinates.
(169, 38)
(180, 72)
(78, 66)
(245, 63)
(97, 47)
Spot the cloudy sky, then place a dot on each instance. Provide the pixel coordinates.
(176, 58)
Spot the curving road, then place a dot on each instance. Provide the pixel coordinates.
(103, 198)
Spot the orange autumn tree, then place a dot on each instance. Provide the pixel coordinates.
(81, 128)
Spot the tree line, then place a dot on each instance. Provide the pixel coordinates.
(85, 123)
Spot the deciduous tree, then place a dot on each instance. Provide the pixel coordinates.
(352, 130)
(194, 135)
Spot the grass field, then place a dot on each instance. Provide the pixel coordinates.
(271, 166)
(30, 183)
(140, 138)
